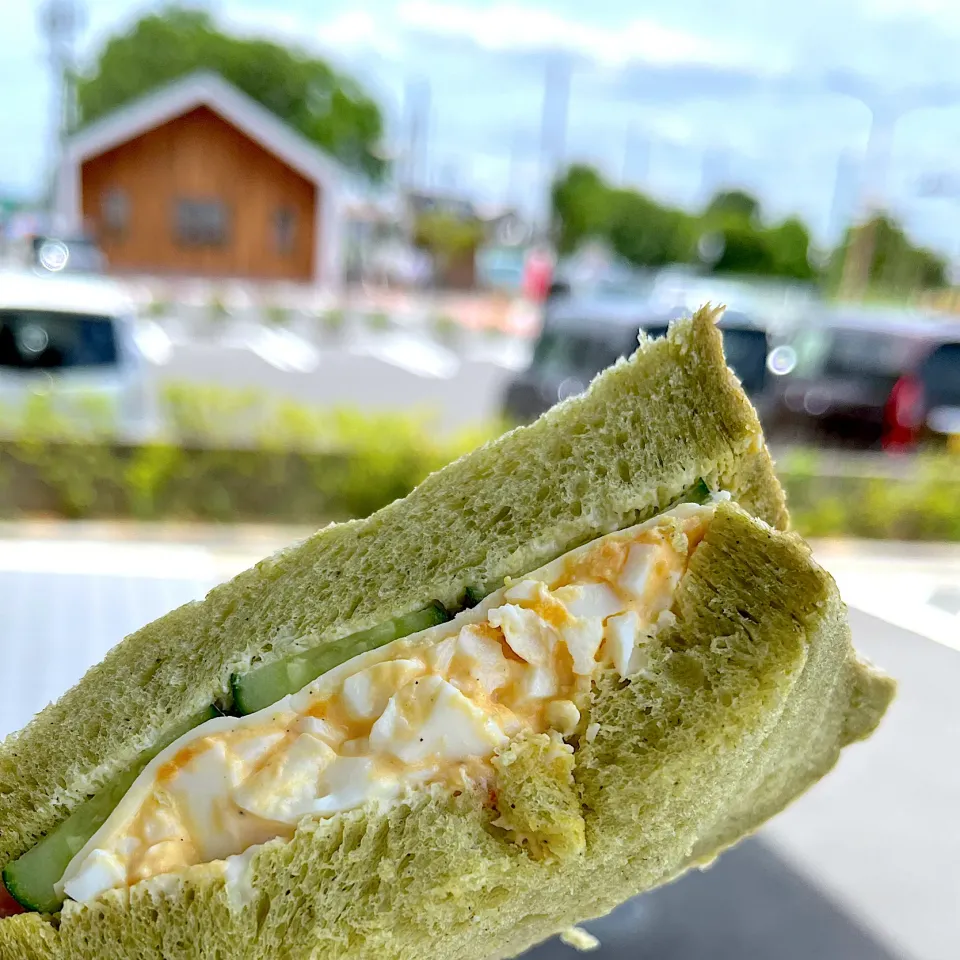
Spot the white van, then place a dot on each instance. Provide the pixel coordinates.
(72, 338)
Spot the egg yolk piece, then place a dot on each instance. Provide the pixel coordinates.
(431, 708)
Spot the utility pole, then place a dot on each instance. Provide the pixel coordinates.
(553, 126)
(858, 258)
(513, 168)
(636, 158)
(417, 123)
(842, 201)
(61, 22)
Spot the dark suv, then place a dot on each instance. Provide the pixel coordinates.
(581, 336)
(869, 378)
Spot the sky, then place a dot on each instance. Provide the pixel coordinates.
(675, 99)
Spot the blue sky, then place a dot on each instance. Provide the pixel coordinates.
(672, 98)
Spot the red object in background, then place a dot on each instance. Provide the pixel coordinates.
(537, 274)
(902, 415)
(8, 906)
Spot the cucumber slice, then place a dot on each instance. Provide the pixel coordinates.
(30, 880)
(474, 594)
(698, 493)
(272, 682)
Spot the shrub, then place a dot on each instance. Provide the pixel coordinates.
(446, 328)
(378, 320)
(276, 316)
(233, 455)
(332, 322)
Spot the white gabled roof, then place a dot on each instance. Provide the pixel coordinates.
(212, 91)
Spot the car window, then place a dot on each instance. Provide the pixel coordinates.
(940, 373)
(560, 353)
(38, 340)
(746, 352)
(842, 353)
(861, 352)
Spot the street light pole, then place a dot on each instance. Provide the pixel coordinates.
(61, 22)
(858, 258)
(859, 255)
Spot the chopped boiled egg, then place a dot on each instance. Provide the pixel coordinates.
(434, 707)
(431, 720)
(593, 601)
(285, 788)
(621, 636)
(637, 571)
(527, 634)
(100, 872)
(366, 693)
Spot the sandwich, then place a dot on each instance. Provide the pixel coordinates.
(565, 669)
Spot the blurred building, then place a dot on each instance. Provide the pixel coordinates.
(197, 179)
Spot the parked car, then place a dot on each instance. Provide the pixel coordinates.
(582, 335)
(72, 339)
(868, 377)
(68, 254)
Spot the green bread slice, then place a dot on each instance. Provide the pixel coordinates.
(745, 702)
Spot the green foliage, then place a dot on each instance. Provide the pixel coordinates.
(582, 206)
(896, 265)
(332, 322)
(327, 107)
(276, 316)
(233, 455)
(650, 234)
(447, 239)
(735, 206)
(378, 320)
(922, 505)
(217, 310)
(446, 328)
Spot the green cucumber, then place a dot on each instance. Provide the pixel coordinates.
(31, 879)
(698, 493)
(475, 593)
(272, 682)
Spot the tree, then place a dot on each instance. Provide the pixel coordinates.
(736, 205)
(891, 261)
(790, 246)
(781, 251)
(452, 243)
(581, 206)
(646, 233)
(327, 107)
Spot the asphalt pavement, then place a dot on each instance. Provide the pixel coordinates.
(461, 382)
(864, 867)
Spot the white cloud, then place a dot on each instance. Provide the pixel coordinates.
(512, 26)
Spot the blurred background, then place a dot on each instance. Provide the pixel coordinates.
(266, 265)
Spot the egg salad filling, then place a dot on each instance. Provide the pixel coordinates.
(434, 707)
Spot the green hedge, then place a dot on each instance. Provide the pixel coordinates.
(918, 500)
(229, 455)
(233, 455)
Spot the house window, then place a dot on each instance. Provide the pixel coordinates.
(115, 212)
(201, 223)
(284, 230)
